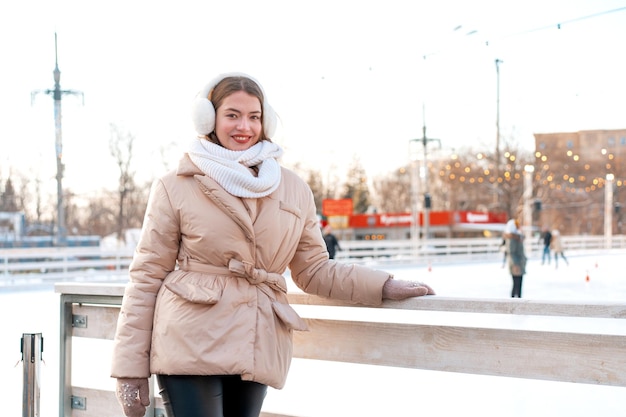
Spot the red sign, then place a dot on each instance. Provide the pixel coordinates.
(341, 207)
(436, 218)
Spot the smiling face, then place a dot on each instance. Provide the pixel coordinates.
(238, 123)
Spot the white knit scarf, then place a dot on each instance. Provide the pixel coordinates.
(230, 168)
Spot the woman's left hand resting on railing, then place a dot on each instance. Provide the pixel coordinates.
(395, 289)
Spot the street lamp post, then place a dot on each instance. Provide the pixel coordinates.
(527, 210)
(415, 186)
(497, 156)
(608, 210)
(427, 202)
(57, 93)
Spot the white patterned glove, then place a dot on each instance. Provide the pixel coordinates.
(395, 289)
(133, 395)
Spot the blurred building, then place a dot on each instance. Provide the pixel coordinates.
(571, 169)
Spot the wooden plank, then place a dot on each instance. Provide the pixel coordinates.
(101, 321)
(103, 403)
(615, 310)
(603, 309)
(557, 347)
(554, 356)
(87, 288)
(548, 355)
(98, 403)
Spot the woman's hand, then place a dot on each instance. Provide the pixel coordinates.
(133, 395)
(399, 290)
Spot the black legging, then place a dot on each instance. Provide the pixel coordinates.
(210, 396)
(516, 292)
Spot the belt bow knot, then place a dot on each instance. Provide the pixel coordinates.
(257, 276)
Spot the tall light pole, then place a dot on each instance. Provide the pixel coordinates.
(415, 187)
(57, 94)
(527, 210)
(427, 203)
(497, 164)
(608, 210)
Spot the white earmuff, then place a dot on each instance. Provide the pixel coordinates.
(203, 111)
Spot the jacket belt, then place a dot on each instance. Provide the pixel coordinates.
(240, 269)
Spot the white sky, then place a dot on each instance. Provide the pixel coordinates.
(346, 77)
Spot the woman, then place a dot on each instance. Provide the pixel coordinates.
(206, 308)
(557, 248)
(517, 257)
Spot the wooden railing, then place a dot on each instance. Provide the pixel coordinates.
(462, 249)
(558, 354)
(45, 266)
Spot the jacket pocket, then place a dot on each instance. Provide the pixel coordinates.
(194, 293)
(288, 316)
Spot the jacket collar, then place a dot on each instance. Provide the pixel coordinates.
(187, 168)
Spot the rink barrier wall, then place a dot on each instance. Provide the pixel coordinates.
(545, 351)
(45, 266)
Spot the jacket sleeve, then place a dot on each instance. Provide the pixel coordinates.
(155, 257)
(314, 273)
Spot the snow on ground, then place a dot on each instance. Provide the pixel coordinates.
(336, 389)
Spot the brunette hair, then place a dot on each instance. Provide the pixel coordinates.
(231, 85)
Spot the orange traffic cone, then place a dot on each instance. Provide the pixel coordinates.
(587, 277)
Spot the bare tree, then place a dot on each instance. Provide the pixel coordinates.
(121, 148)
(23, 196)
(463, 180)
(571, 188)
(103, 217)
(356, 186)
(136, 204)
(393, 191)
(314, 180)
(8, 201)
(468, 180)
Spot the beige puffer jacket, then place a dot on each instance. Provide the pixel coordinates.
(206, 294)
